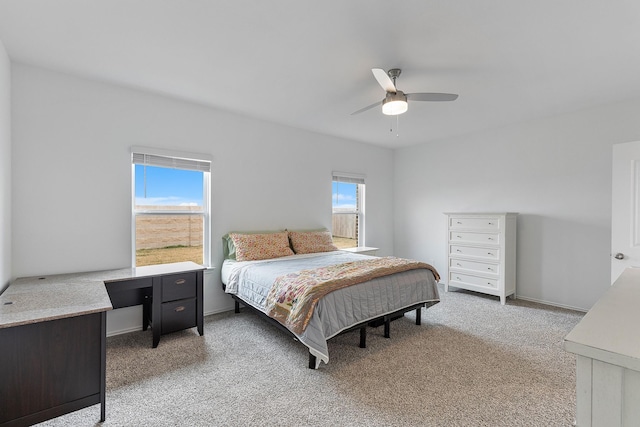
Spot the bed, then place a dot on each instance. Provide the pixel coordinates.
(257, 279)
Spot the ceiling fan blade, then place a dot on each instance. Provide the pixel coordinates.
(383, 78)
(366, 108)
(435, 97)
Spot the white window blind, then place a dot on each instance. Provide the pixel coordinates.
(171, 162)
(348, 178)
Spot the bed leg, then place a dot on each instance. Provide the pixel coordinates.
(418, 315)
(237, 309)
(387, 326)
(363, 337)
(312, 361)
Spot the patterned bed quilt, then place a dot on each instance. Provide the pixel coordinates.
(317, 296)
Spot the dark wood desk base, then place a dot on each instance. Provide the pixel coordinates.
(170, 302)
(33, 359)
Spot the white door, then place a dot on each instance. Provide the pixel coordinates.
(625, 212)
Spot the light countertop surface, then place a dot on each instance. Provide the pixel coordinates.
(49, 297)
(610, 331)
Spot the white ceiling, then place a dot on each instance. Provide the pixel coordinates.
(307, 64)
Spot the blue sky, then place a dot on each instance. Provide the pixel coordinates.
(168, 187)
(177, 187)
(343, 195)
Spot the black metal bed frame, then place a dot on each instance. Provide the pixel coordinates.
(362, 326)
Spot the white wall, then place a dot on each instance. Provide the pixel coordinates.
(5, 168)
(71, 181)
(555, 172)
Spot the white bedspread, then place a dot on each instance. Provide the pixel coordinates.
(339, 310)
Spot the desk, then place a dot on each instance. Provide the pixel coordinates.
(170, 295)
(52, 349)
(607, 347)
(53, 333)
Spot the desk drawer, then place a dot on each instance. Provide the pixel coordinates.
(178, 315)
(178, 286)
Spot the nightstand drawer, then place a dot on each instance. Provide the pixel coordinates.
(484, 238)
(178, 286)
(480, 267)
(178, 315)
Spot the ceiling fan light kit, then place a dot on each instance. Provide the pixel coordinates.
(395, 101)
(395, 104)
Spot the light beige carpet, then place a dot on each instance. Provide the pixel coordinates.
(472, 362)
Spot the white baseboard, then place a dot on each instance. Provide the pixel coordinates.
(139, 327)
(553, 304)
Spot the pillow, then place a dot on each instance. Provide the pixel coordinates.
(253, 247)
(229, 249)
(309, 242)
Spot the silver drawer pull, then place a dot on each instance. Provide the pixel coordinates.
(490, 223)
(489, 268)
(181, 281)
(458, 250)
(458, 222)
(179, 309)
(458, 264)
(459, 237)
(489, 253)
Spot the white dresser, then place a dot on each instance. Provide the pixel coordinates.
(481, 253)
(607, 351)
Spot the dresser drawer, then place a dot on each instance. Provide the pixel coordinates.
(472, 280)
(178, 315)
(470, 251)
(178, 286)
(469, 237)
(480, 267)
(488, 224)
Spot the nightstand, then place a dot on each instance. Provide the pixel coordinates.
(364, 250)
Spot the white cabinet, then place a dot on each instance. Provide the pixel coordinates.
(481, 252)
(607, 351)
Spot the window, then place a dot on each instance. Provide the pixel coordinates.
(348, 210)
(170, 215)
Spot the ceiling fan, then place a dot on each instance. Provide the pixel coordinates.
(395, 102)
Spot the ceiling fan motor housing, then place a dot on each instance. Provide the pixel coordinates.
(394, 73)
